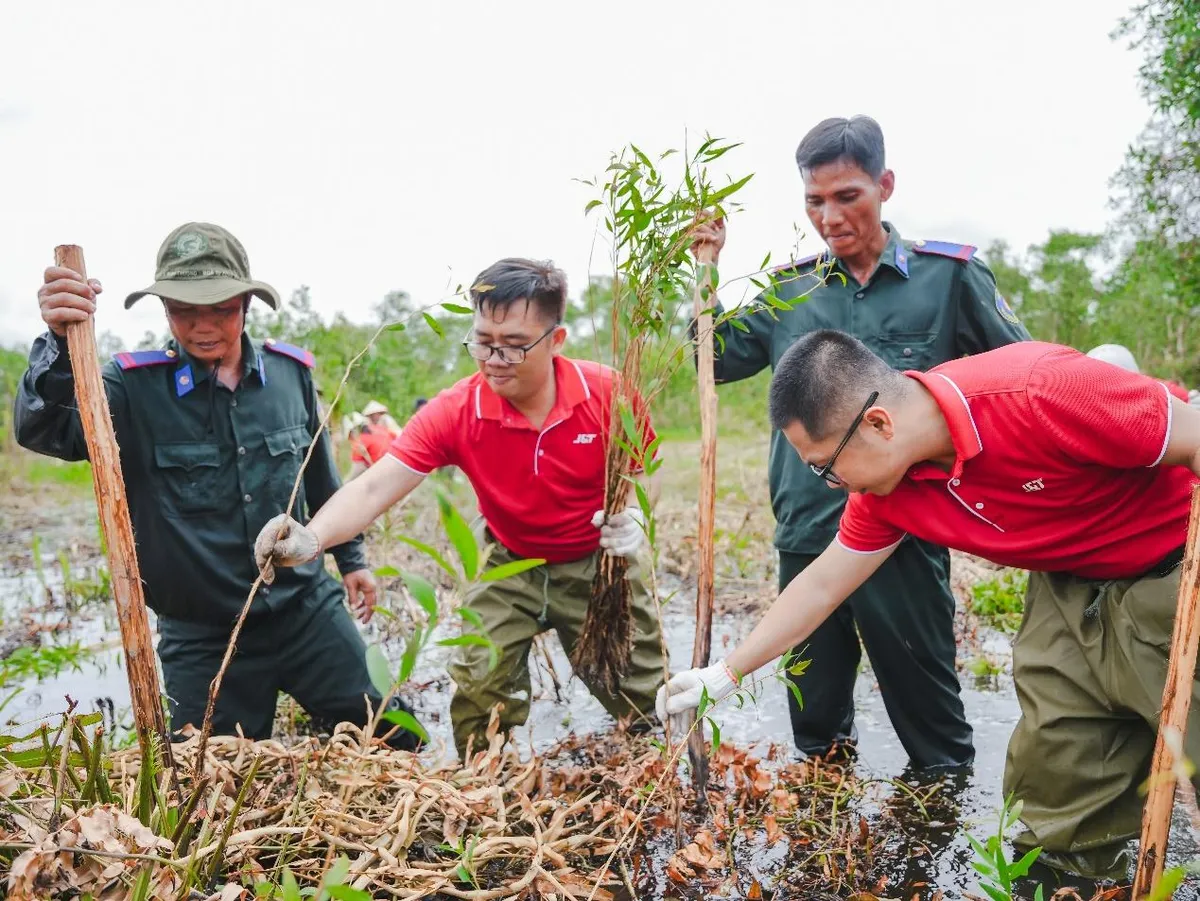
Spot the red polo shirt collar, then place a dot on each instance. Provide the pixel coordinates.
(570, 389)
(963, 431)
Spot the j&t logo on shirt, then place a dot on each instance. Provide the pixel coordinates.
(1035, 485)
(584, 438)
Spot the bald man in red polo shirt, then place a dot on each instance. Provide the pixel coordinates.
(529, 430)
(1033, 456)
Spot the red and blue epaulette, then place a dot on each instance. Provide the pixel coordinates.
(960, 252)
(135, 359)
(299, 354)
(798, 264)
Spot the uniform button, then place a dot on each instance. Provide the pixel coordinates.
(541, 453)
(954, 481)
(233, 403)
(859, 295)
(241, 452)
(979, 506)
(265, 589)
(247, 498)
(908, 351)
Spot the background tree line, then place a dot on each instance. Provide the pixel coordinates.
(1138, 284)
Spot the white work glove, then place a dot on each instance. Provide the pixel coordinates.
(624, 532)
(283, 542)
(683, 692)
(1194, 398)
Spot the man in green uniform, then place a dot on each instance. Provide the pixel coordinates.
(917, 304)
(212, 432)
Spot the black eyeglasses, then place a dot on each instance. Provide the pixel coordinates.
(508, 353)
(826, 472)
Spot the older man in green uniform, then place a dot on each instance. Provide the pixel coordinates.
(916, 304)
(213, 430)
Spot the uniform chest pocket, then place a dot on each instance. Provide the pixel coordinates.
(286, 448)
(191, 476)
(907, 350)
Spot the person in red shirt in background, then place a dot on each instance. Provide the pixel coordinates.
(368, 445)
(529, 430)
(1033, 456)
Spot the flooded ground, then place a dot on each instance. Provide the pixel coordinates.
(931, 853)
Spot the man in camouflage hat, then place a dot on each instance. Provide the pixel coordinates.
(213, 430)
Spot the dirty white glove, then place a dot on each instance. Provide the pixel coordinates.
(682, 694)
(283, 542)
(623, 534)
(1194, 398)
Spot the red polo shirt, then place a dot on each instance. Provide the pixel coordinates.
(1056, 468)
(538, 490)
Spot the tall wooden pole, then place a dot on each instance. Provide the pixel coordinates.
(109, 485)
(1176, 699)
(703, 297)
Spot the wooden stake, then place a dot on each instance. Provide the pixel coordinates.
(703, 295)
(1172, 727)
(109, 485)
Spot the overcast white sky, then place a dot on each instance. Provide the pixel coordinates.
(362, 147)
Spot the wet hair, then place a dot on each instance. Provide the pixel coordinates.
(517, 280)
(826, 377)
(858, 141)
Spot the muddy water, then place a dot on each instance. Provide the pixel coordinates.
(938, 856)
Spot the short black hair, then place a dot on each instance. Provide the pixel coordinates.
(824, 378)
(514, 280)
(858, 140)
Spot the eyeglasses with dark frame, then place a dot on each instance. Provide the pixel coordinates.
(508, 353)
(826, 472)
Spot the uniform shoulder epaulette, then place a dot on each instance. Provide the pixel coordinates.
(795, 265)
(961, 252)
(299, 354)
(136, 359)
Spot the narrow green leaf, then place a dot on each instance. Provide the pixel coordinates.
(510, 569)
(475, 641)
(412, 650)
(460, 536)
(406, 720)
(716, 734)
(387, 572)
(348, 893)
(429, 552)
(291, 891)
(383, 611)
(458, 308)
(705, 702)
(434, 325)
(1021, 867)
(592, 204)
(422, 592)
(472, 617)
(395, 327)
(378, 669)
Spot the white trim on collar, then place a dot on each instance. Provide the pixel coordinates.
(587, 392)
(478, 406)
(966, 406)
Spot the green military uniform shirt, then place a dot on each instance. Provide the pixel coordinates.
(205, 467)
(927, 302)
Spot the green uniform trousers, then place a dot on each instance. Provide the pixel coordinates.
(514, 611)
(905, 615)
(1089, 663)
(310, 649)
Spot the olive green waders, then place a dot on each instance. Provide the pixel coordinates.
(514, 611)
(1089, 664)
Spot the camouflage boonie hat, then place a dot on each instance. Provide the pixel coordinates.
(203, 264)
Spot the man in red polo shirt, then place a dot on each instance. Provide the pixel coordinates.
(529, 430)
(1033, 456)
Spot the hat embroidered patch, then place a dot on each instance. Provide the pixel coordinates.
(190, 243)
